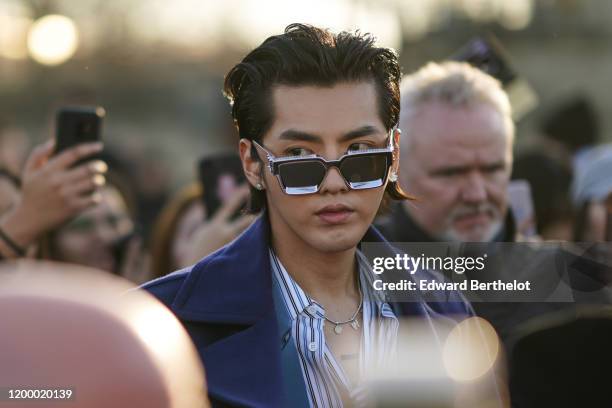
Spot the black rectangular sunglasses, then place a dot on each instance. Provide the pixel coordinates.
(361, 169)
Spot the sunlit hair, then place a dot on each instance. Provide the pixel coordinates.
(456, 84)
(165, 228)
(305, 55)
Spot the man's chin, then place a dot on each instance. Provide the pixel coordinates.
(336, 245)
(329, 242)
(481, 234)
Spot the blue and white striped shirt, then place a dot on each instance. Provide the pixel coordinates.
(323, 375)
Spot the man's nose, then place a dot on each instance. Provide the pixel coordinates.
(474, 189)
(333, 182)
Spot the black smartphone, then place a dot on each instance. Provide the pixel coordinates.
(76, 125)
(220, 176)
(487, 54)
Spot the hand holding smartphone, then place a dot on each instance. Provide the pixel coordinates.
(220, 176)
(222, 227)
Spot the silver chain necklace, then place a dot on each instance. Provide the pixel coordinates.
(352, 321)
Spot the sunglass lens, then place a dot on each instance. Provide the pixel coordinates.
(301, 177)
(367, 171)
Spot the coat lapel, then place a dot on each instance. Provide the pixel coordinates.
(295, 385)
(254, 366)
(244, 369)
(233, 286)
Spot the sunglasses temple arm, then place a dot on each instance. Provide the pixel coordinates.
(271, 158)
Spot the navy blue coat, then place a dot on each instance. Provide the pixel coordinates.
(227, 304)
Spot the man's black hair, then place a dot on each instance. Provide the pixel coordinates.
(305, 55)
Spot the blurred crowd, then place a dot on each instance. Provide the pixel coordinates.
(94, 214)
(468, 182)
(138, 230)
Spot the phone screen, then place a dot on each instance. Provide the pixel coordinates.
(76, 125)
(220, 175)
(487, 54)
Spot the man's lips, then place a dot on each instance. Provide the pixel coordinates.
(334, 214)
(473, 219)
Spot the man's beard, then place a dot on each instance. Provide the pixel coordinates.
(479, 233)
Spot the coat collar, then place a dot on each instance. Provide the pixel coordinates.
(232, 285)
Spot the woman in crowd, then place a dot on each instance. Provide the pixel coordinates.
(182, 234)
(174, 229)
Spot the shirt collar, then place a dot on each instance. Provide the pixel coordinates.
(299, 302)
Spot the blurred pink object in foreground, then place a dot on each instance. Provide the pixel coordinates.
(77, 329)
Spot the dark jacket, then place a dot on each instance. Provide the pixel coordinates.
(398, 226)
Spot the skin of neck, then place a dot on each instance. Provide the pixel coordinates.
(327, 277)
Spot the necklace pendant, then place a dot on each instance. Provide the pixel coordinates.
(355, 324)
(338, 329)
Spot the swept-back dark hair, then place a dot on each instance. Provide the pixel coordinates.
(306, 55)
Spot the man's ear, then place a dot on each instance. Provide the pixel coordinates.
(397, 133)
(250, 165)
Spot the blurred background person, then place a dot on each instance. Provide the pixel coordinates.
(456, 159)
(573, 124)
(549, 172)
(97, 237)
(592, 195)
(183, 233)
(174, 229)
(456, 150)
(104, 236)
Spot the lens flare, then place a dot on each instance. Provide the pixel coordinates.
(471, 350)
(52, 40)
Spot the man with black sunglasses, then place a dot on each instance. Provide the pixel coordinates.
(286, 315)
